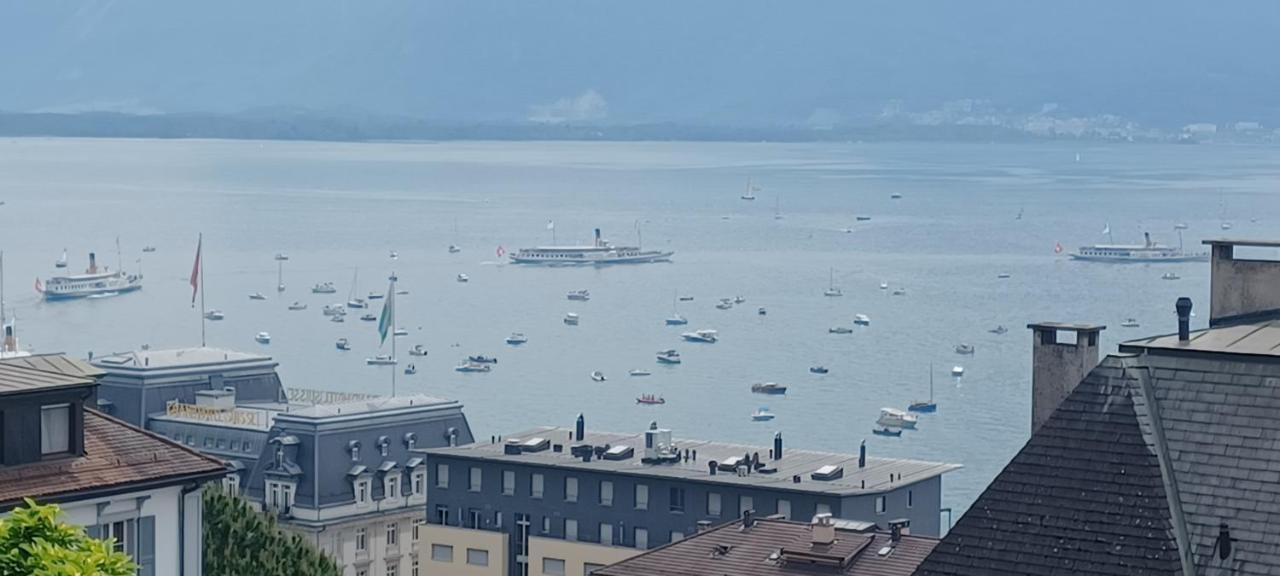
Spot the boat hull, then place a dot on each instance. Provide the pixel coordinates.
(1141, 259)
(78, 294)
(594, 259)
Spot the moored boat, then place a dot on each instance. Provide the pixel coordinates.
(257, 296)
(214, 315)
(762, 414)
(343, 344)
(964, 349)
(840, 330)
(702, 336)
(579, 295)
(861, 320)
(597, 375)
(482, 359)
(768, 388)
(324, 288)
(571, 319)
(381, 360)
(650, 399)
(263, 338)
(895, 418)
(472, 367)
(668, 357)
(818, 370)
(297, 306)
(516, 339)
(639, 372)
(418, 350)
(887, 432)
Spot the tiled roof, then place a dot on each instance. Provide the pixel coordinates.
(1088, 493)
(117, 455)
(758, 551)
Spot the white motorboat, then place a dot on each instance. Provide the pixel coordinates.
(669, 357)
(297, 306)
(214, 315)
(840, 330)
(374, 296)
(338, 318)
(454, 249)
(571, 319)
(62, 260)
(516, 338)
(343, 344)
(1130, 323)
(762, 414)
(418, 350)
(724, 304)
(703, 336)
(895, 418)
(579, 295)
(463, 278)
(598, 376)
(381, 360)
(324, 288)
(257, 296)
(263, 338)
(677, 320)
(957, 371)
(832, 290)
(861, 320)
(472, 367)
(400, 332)
(639, 372)
(281, 256)
(394, 255)
(998, 330)
(771, 388)
(334, 310)
(739, 300)
(884, 285)
(370, 317)
(964, 349)
(357, 303)
(410, 370)
(1170, 276)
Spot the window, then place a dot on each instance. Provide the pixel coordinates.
(231, 484)
(508, 482)
(362, 540)
(546, 524)
(677, 535)
(474, 519)
(413, 571)
(221, 444)
(248, 445)
(497, 519)
(191, 440)
(822, 509)
(393, 485)
(55, 429)
(570, 489)
(393, 568)
(784, 508)
(477, 475)
(442, 553)
(553, 566)
(418, 523)
(535, 486)
(606, 533)
(442, 475)
(208, 442)
(362, 491)
(911, 500)
(642, 539)
(477, 557)
(677, 499)
(393, 533)
(606, 493)
(442, 515)
(120, 532)
(235, 445)
(745, 503)
(589, 568)
(879, 504)
(362, 572)
(570, 529)
(642, 497)
(419, 482)
(713, 503)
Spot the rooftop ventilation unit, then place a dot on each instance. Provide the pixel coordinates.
(512, 447)
(536, 445)
(828, 472)
(731, 463)
(619, 453)
(577, 450)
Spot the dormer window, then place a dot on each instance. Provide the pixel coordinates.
(353, 447)
(55, 429)
(279, 456)
(392, 487)
(383, 444)
(410, 440)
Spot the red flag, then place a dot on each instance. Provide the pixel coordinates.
(1057, 248)
(195, 271)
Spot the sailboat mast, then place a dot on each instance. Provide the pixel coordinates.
(930, 383)
(119, 256)
(2, 316)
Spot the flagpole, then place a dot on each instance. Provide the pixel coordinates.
(200, 248)
(391, 298)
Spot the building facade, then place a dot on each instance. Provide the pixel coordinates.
(562, 501)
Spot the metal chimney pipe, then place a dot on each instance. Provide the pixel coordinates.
(1184, 318)
(580, 428)
(777, 446)
(862, 455)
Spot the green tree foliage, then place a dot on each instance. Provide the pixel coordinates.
(34, 543)
(239, 541)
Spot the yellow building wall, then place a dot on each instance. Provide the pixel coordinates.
(461, 539)
(574, 554)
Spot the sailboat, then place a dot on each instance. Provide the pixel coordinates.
(352, 300)
(929, 406)
(1226, 224)
(280, 276)
(62, 260)
(676, 319)
(751, 191)
(831, 287)
(777, 207)
(454, 248)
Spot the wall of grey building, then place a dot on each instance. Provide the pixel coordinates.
(921, 503)
(134, 397)
(222, 442)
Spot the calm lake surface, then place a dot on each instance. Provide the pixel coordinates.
(336, 207)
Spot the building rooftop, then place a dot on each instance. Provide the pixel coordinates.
(771, 547)
(59, 363)
(175, 358)
(116, 456)
(879, 474)
(17, 378)
(338, 405)
(1255, 338)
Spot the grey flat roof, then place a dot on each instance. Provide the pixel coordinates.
(15, 379)
(174, 358)
(364, 406)
(1256, 338)
(876, 474)
(60, 363)
(1225, 241)
(1066, 326)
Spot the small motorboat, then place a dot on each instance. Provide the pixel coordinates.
(370, 317)
(884, 285)
(263, 338)
(896, 196)
(338, 318)
(957, 371)
(761, 311)
(862, 218)
(343, 344)
(62, 260)
(297, 306)
(282, 256)
(686, 298)
(410, 370)
(702, 336)
(381, 360)
(400, 332)
(768, 388)
(998, 329)
(900, 292)
(323, 288)
(148, 249)
(677, 320)
(739, 300)
(639, 372)
(964, 349)
(482, 359)
(598, 376)
(214, 315)
(374, 296)
(357, 303)
(334, 310)
(762, 414)
(650, 399)
(861, 320)
(669, 357)
(1170, 276)
(257, 296)
(887, 432)
(571, 319)
(818, 369)
(402, 292)
(454, 249)
(471, 367)
(724, 304)
(895, 418)
(840, 330)
(579, 295)
(1130, 323)
(464, 278)
(1002, 275)
(832, 292)
(418, 350)
(516, 339)
(394, 255)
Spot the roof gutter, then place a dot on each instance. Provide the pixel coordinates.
(1161, 448)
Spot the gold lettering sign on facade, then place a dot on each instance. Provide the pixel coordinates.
(234, 417)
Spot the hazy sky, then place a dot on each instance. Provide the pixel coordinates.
(725, 62)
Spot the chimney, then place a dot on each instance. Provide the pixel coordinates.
(1184, 318)
(93, 263)
(862, 454)
(11, 343)
(1058, 365)
(897, 528)
(823, 530)
(579, 428)
(1241, 288)
(777, 446)
(712, 465)
(597, 237)
(748, 518)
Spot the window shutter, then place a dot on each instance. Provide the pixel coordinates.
(146, 558)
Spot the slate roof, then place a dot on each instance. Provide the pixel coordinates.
(730, 549)
(116, 456)
(59, 363)
(1154, 448)
(19, 379)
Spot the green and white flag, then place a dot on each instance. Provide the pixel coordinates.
(386, 322)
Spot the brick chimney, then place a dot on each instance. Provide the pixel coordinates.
(823, 530)
(1058, 365)
(1240, 288)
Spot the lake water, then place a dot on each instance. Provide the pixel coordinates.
(334, 207)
